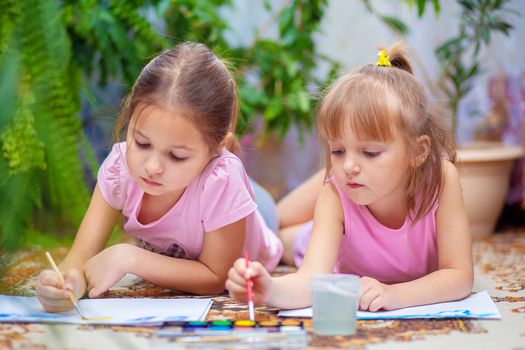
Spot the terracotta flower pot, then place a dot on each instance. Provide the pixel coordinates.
(484, 175)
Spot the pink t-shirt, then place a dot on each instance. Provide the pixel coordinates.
(368, 248)
(221, 195)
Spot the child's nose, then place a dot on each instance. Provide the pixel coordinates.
(154, 165)
(350, 166)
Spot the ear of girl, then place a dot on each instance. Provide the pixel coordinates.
(422, 150)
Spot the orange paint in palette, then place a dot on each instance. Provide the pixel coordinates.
(291, 326)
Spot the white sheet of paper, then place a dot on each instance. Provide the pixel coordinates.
(121, 311)
(477, 305)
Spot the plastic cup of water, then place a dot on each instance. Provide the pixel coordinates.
(335, 299)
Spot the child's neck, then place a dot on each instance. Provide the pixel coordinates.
(389, 215)
(154, 207)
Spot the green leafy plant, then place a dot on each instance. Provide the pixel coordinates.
(115, 39)
(459, 56)
(53, 52)
(285, 69)
(40, 133)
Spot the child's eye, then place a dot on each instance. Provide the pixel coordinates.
(337, 152)
(371, 154)
(141, 145)
(176, 158)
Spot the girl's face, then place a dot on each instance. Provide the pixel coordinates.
(165, 151)
(372, 173)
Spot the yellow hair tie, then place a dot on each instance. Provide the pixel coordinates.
(384, 60)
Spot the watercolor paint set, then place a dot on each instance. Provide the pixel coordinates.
(230, 327)
(236, 334)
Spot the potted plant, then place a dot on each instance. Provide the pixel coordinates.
(484, 166)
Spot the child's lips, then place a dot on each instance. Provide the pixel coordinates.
(354, 185)
(150, 182)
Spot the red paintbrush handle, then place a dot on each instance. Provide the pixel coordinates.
(249, 282)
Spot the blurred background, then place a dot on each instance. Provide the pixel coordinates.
(65, 66)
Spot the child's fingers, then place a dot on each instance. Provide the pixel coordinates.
(367, 298)
(254, 270)
(366, 284)
(50, 292)
(364, 301)
(240, 266)
(251, 272)
(236, 290)
(96, 292)
(235, 277)
(55, 305)
(376, 303)
(96, 287)
(50, 278)
(235, 287)
(371, 292)
(49, 285)
(74, 282)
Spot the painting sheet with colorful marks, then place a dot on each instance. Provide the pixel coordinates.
(107, 311)
(477, 305)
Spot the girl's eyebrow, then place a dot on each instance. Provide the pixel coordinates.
(187, 148)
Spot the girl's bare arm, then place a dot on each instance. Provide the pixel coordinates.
(454, 278)
(206, 275)
(93, 233)
(298, 206)
(293, 290)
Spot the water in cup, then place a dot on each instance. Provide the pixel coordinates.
(335, 300)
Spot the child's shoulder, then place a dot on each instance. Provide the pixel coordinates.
(115, 161)
(116, 157)
(113, 176)
(117, 153)
(225, 180)
(451, 182)
(226, 161)
(450, 171)
(224, 170)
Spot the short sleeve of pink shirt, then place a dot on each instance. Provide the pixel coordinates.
(111, 178)
(226, 196)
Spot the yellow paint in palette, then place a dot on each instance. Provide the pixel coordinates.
(97, 319)
(244, 323)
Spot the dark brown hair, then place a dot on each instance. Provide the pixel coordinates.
(191, 80)
(375, 101)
